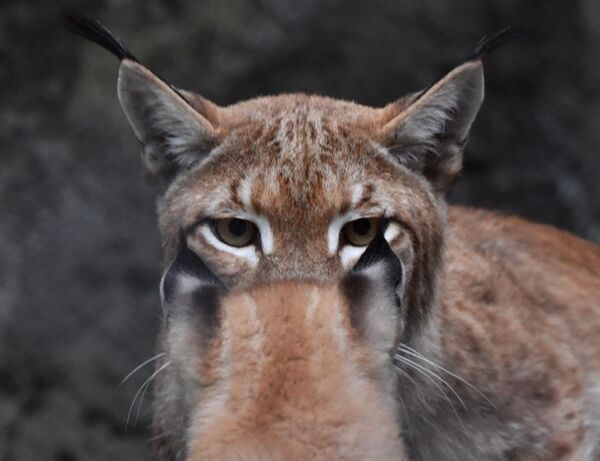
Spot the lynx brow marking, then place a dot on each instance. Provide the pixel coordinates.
(333, 233)
(264, 229)
(245, 196)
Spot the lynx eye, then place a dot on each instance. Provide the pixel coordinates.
(235, 232)
(361, 231)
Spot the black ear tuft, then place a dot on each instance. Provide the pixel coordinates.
(499, 39)
(94, 31)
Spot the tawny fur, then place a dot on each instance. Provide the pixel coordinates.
(290, 372)
(487, 347)
(517, 311)
(500, 317)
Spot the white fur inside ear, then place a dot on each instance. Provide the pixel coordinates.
(248, 252)
(433, 130)
(170, 129)
(449, 107)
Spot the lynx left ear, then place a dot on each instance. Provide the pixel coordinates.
(174, 135)
(175, 132)
(429, 134)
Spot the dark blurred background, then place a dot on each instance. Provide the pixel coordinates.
(80, 253)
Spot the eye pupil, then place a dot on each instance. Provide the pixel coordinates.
(362, 226)
(237, 227)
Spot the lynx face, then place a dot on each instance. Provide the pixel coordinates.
(284, 370)
(270, 195)
(292, 186)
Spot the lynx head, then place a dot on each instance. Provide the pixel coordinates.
(282, 200)
(288, 370)
(293, 186)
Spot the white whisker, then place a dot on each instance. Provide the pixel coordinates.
(142, 389)
(434, 375)
(428, 374)
(409, 377)
(139, 367)
(409, 350)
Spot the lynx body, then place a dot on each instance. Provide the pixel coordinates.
(495, 348)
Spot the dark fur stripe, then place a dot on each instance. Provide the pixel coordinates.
(93, 30)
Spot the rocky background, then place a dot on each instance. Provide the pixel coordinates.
(80, 254)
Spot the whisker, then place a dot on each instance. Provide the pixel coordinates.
(159, 436)
(141, 401)
(434, 375)
(142, 389)
(414, 383)
(426, 373)
(139, 367)
(410, 378)
(409, 350)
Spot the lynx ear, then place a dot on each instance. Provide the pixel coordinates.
(430, 133)
(173, 134)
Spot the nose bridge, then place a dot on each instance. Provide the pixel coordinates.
(300, 251)
(293, 390)
(298, 264)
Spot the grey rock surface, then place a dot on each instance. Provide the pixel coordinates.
(81, 255)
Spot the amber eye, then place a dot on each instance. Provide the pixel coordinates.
(235, 232)
(361, 231)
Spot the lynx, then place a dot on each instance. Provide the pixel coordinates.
(322, 301)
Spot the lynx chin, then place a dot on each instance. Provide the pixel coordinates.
(322, 301)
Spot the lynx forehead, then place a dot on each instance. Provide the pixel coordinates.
(284, 172)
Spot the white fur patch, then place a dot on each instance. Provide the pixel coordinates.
(356, 194)
(245, 191)
(392, 231)
(350, 254)
(333, 233)
(264, 228)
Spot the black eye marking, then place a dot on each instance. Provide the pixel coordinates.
(191, 290)
(355, 287)
(375, 278)
(380, 252)
(377, 250)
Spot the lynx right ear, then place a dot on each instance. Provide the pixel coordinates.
(174, 135)
(428, 136)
